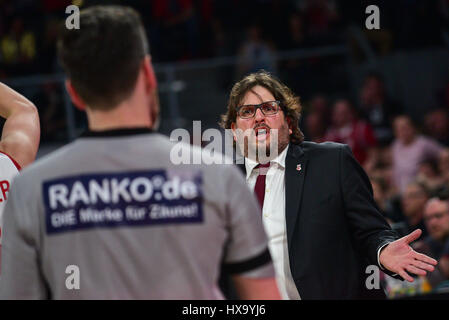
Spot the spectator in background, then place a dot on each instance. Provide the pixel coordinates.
(319, 104)
(315, 127)
(429, 174)
(414, 200)
(409, 150)
(381, 167)
(437, 126)
(377, 108)
(255, 53)
(322, 15)
(436, 244)
(178, 29)
(18, 48)
(443, 164)
(295, 36)
(347, 128)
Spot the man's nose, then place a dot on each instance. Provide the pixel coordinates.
(259, 115)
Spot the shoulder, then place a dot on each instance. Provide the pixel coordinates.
(324, 147)
(325, 154)
(8, 163)
(46, 164)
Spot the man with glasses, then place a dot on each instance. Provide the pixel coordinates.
(436, 244)
(323, 225)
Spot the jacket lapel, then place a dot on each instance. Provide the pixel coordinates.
(295, 172)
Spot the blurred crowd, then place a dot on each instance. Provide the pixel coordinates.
(182, 30)
(406, 160)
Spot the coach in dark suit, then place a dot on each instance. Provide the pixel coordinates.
(317, 205)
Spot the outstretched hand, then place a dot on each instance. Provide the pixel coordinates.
(400, 258)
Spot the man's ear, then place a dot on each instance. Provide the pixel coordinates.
(74, 96)
(289, 122)
(233, 131)
(151, 82)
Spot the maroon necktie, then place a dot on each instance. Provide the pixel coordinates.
(259, 188)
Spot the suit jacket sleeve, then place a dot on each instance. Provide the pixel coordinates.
(369, 229)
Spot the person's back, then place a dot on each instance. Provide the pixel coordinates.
(133, 225)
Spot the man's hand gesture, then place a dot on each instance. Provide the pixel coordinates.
(400, 258)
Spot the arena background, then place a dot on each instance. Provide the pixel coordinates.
(320, 48)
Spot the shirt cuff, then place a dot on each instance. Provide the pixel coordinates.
(378, 255)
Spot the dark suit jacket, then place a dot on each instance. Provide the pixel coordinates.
(334, 227)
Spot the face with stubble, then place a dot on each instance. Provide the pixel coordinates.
(261, 131)
(436, 217)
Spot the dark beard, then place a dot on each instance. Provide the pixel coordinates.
(264, 153)
(269, 152)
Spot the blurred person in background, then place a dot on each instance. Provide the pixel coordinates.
(255, 53)
(436, 244)
(347, 128)
(177, 21)
(377, 108)
(409, 149)
(443, 165)
(429, 174)
(19, 48)
(414, 200)
(315, 127)
(322, 17)
(320, 104)
(437, 126)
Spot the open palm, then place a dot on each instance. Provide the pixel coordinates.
(400, 258)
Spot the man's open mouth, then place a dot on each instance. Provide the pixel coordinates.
(262, 133)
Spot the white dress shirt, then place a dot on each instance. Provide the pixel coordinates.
(273, 216)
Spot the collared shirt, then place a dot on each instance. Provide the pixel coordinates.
(406, 158)
(273, 216)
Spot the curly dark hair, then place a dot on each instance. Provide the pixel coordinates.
(289, 102)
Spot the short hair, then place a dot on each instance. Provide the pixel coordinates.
(424, 188)
(438, 198)
(432, 162)
(289, 102)
(103, 57)
(407, 117)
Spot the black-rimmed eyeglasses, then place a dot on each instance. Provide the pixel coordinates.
(268, 108)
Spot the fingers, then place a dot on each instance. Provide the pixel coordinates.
(405, 276)
(424, 266)
(413, 236)
(415, 270)
(417, 267)
(424, 258)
